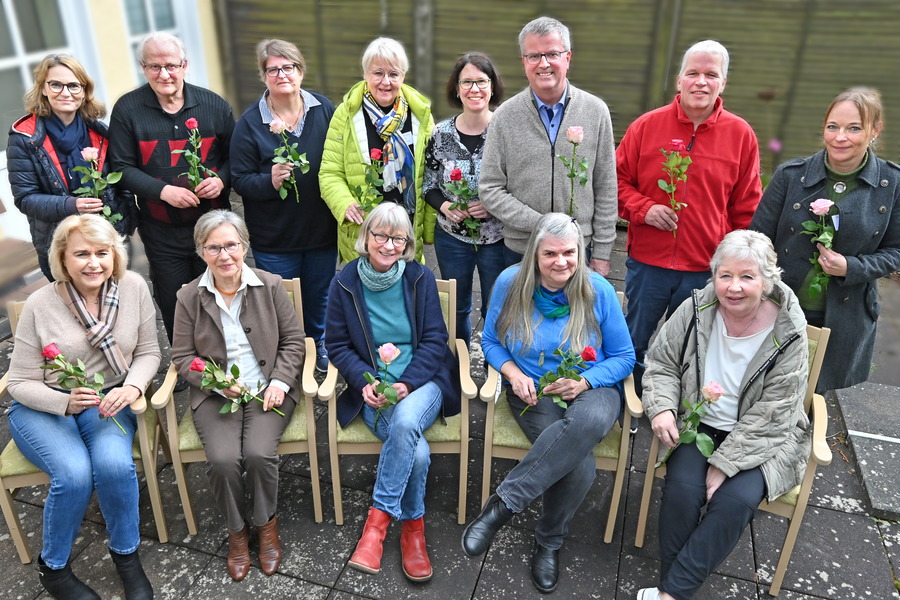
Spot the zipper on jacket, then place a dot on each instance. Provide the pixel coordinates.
(362, 323)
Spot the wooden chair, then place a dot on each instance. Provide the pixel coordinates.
(299, 436)
(791, 505)
(452, 438)
(17, 472)
(503, 438)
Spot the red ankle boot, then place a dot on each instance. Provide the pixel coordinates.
(367, 556)
(416, 565)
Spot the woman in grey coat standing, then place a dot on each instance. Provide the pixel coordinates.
(865, 216)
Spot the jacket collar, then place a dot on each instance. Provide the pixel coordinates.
(815, 172)
(718, 108)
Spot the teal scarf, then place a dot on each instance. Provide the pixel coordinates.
(551, 304)
(375, 281)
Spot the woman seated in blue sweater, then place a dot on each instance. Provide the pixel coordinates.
(293, 232)
(551, 301)
(384, 319)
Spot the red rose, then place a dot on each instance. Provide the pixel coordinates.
(588, 354)
(455, 175)
(678, 145)
(191, 123)
(50, 351)
(375, 154)
(198, 364)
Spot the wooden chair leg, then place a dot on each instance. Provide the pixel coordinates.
(336, 483)
(149, 454)
(313, 459)
(488, 453)
(14, 526)
(619, 480)
(463, 478)
(649, 476)
(181, 480)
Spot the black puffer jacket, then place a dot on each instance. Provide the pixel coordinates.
(39, 187)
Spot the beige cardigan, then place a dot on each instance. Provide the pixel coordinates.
(46, 319)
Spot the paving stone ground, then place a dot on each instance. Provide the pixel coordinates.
(843, 552)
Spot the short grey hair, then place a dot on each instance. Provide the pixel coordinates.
(743, 244)
(160, 38)
(210, 221)
(392, 217)
(389, 50)
(710, 47)
(545, 26)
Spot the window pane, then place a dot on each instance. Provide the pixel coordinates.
(11, 92)
(40, 24)
(137, 17)
(162, 14)
(6, 48)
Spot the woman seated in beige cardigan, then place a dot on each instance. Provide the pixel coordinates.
(233, 315)
(102, 315)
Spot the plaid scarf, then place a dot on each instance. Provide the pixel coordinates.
(398, 158)
(98, 331)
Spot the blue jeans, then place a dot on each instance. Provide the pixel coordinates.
(692, 544)
(653, 292)
(315, 268)
(405, 456)
(81, 453)
(560, 465)
(457, 260)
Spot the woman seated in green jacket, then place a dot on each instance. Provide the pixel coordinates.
(744, 335)
(381, 125)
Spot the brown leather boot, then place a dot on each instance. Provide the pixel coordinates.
(269, 547)
(367, 557)
(416, 565)
(239, 554)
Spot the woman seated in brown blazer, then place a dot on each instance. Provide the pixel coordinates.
(235, 315)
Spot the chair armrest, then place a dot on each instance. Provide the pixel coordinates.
(491, 385)
(166, 391)
(308, 378)
(4, 381)
(326, 390)
(821, 453)
(632, 402)
(139, 406)
(469, 389)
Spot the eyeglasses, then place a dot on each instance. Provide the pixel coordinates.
(286, 70)
(534, 58)
(170, 69)
(468, 84)
(393, 76)
(56, 87)
(399, 241)
(230, 248)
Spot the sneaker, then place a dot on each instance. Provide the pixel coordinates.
(321, 357)
(648, 594)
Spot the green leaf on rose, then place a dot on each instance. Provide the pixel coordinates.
(705, 445)
(688, 436)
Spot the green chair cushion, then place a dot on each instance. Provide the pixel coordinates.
(790, 498)
(189, 439)
(357, 432)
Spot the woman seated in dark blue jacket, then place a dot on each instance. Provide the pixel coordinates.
(384, 318)
(46, 145)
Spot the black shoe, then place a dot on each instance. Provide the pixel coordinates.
(62, 583)
(479, 533)
(544, 568)
(181, 385)
(137, 586)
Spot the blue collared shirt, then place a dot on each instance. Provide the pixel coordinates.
(552, 127)
(308, 102)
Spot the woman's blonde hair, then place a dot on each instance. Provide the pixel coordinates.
(36, 102)
(517, 316)
(95, 230)
(867, 102)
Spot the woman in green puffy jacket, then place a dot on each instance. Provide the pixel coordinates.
(384, 119)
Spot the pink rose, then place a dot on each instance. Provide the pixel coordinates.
(712, 391)
(90, 154)
(588, 354)
(191, 123)
(575, 134)
(456, 175)
(277, 126)
(678, 145)
(50, 351)
(375, 154)
(774, 146)
(821, 207)
(198, 364)
(388, 353)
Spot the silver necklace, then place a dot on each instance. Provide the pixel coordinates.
(750, 324)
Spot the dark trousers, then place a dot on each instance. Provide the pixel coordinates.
(173, 262)
(692, 545)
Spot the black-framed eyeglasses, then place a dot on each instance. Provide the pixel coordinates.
(286, 70)
(534, 58)
(230, 248)
(74, 87)
(468, 84)
(170, 69)
(399, 241)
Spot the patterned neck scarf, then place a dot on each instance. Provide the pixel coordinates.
(98, 330)
(551, 304)
(398, 158)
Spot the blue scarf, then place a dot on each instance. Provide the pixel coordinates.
(69, 141)
(375, 281)
(551, 304)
